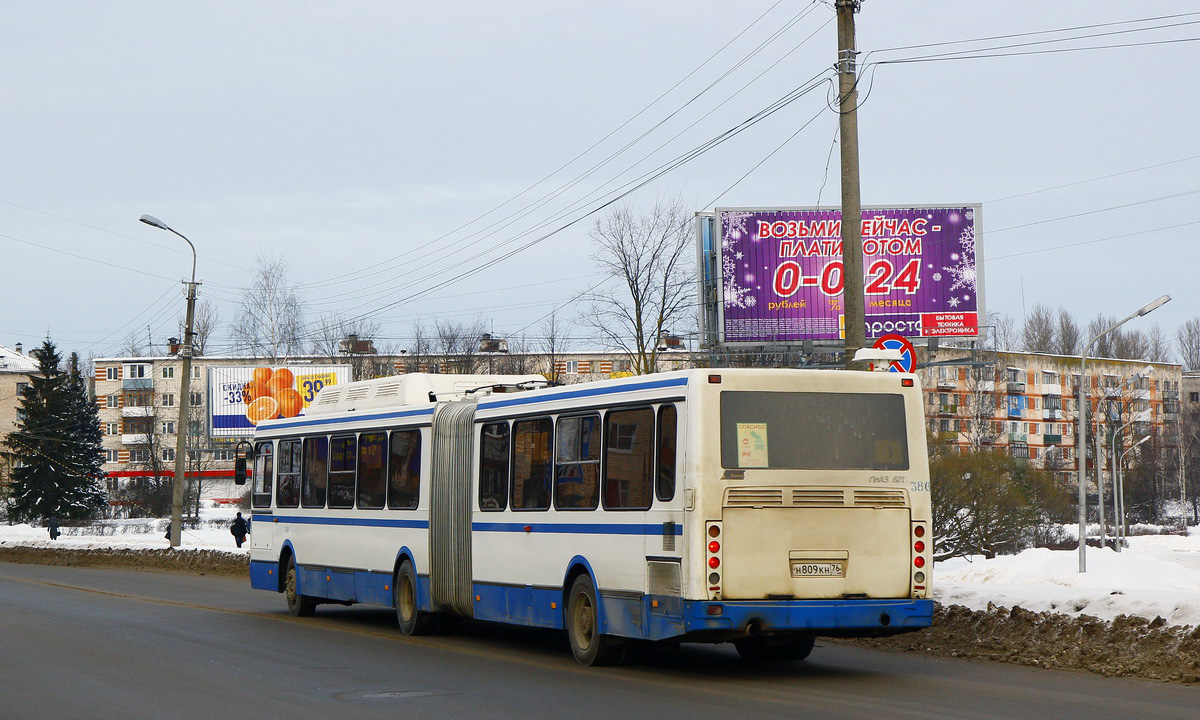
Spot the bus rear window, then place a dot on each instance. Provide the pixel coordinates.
(813, 431)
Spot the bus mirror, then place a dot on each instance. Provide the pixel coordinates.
(240, 454)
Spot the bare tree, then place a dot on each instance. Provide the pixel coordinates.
(1068, 337)
(132, 346)
(1187, 339)
(1004, 331)
(552, 343)
(271, 316)
(458, 343)
(650, 281)
(1158, 345)
(1037, 335)
(980, 399)
(1104, 346)
(204, 323)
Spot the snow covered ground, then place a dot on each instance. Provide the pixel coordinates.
(1156, 576)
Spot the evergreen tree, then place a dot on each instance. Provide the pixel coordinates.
(56, 444)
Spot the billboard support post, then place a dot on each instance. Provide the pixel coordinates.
(852, 258)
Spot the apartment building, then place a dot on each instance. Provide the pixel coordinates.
(1027, 403)
(15, 369)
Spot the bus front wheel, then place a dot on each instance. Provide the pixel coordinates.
(764, 649)
(298, 605)
(588, 645)
(404, 596)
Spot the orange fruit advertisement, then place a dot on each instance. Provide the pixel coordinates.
(271, 394)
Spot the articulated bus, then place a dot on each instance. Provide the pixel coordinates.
(762, 507)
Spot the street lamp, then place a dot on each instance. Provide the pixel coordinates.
(1081, 431)
(1120, 481)
(1110, 393)
(184, 392)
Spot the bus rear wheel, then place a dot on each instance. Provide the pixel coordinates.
(298, 605)
(404, 597)
(588, 645)
(766, 649)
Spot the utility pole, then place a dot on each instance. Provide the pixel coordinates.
(185, 398)
(853, 312)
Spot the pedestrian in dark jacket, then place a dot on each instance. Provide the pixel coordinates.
(239, 529)
(52, 524)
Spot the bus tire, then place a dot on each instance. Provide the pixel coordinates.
(404, 598)
(589, 646)
(764, 649)
(298, 605)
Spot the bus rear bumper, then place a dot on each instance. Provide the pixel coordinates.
(845, 618)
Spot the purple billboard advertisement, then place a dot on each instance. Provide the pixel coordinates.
(782, 280)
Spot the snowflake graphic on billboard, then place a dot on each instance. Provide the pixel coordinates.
(963, 271)
(735, 295)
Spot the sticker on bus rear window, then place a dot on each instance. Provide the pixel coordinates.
(752, 445)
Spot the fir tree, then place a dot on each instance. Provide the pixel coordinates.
(56, 445)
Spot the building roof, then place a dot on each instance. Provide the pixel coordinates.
(13, 361)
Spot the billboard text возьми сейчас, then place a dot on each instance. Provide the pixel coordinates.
(782, 279)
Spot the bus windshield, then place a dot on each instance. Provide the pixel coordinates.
(813, 431)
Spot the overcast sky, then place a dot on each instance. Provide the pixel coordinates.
(371, 143)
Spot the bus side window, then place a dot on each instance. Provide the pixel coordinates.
(287, 494)
(315, 469)
(667, 449)
(629, 459)
(264, 472)
(531, 466)
(493, 466)
(404, 470)
(371, 464)
(577, 464)
(341, 471)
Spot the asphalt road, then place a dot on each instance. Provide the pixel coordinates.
(88, 643)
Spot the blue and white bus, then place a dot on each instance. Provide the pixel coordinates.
(762, 507)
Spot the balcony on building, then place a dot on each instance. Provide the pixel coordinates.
(947, 409)
(1022, 438)
(143, 383)
(1015, 386)
(135, 439)
(1052, 439)
(1052, 414)
(137, 411)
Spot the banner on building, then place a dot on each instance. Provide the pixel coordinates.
(240, 397)
(780, 277)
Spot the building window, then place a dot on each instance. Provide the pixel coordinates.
(572, 367)
(168, 400)
(195, 427)
(168, 454)
(112, 456)
(195, 373)
(193, 456)
(139, 399)
(223, 454)
(168, 428)
(112, 429)
(139, 455)
(112, 373)
(168, 372)
(135, 371)
(1194, 397)
(197, 399)
(1049, 378)
(112, 401)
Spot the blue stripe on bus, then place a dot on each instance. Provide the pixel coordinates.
(572, 394)
(576, 528)
(562, 528)
(348, 418)
(363, 522)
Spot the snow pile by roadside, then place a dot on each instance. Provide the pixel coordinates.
(1156, 576)
(212, 534)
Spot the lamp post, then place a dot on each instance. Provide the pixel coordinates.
(1121, 480)
(1081, 427)
(1110, 393)
(184, 393)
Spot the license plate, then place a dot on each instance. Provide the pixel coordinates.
(818, 569)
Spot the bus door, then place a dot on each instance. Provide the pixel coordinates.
(262, 526)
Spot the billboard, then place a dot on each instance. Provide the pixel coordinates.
(241, 396)
(780, 275)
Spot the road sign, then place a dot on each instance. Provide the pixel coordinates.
(908, 356)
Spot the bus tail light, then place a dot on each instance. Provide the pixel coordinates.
(713, 530)
(919, 561)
